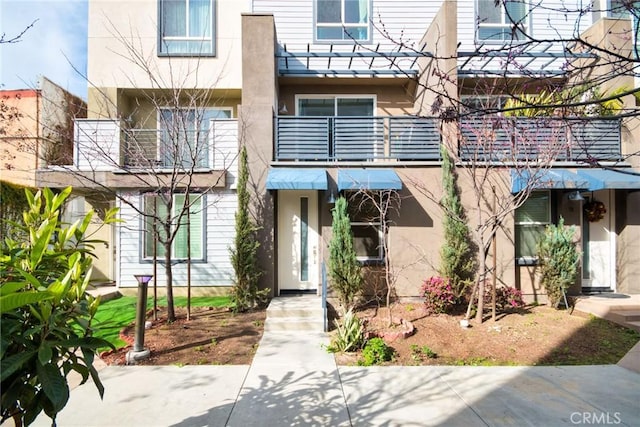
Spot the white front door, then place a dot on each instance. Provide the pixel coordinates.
(298, 257)
(599, 246)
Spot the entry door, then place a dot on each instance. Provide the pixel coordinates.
(298, 257)
(598, 247)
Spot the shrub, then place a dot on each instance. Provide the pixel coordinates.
(457, 257)
(558, 257)
(344, 269)
(245, 293)
(46, 313)
(349, 334)
(508, 297)
(439, 294)
(375, 352)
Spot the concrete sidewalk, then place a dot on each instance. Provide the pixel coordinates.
(294, 382)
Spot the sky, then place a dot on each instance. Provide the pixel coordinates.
(55, 44)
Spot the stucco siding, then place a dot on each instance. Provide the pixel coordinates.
(216, 270)
(120, 31)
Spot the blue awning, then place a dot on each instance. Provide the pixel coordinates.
(368, 179)
(550, 179)
(297, 179)
(601, 179)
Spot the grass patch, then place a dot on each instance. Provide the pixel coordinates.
(115, 314)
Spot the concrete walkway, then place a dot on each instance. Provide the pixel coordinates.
(293, 381)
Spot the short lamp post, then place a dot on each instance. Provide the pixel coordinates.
(139, 352)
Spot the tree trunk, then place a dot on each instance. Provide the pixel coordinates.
(481, 284)
(188, 262)
(171, 313)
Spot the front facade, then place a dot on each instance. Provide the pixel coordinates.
(352, 98)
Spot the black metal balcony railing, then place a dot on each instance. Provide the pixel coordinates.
(165, 149)
(544, 138)
(356, 138)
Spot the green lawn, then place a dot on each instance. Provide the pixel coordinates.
(115, 314)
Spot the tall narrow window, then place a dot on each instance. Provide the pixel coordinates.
(531, 219)
(342, 20)
(304, 239)
(504, 21)
(155, 204)
(186, 27)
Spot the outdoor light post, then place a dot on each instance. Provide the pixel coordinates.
(139, 352)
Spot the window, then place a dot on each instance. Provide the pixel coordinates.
(335, 106)
(186, 27)
(366, 225)
(508, 20)
(342, 20)
(531, 220)
(154, 203)
(184, 136)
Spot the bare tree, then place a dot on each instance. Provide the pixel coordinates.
(4, 38)
(164, 147)
(585, 74)
(378, 208)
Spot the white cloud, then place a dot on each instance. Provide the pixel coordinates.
(57, 41)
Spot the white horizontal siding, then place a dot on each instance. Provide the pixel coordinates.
(549, 20)
(97, 144)
(215, 271)
(402, 21)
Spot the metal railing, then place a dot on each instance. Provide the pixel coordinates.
(184, 149)
(556, 139)
(356, 138)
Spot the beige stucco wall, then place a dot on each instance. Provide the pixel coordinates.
(121, 30)
(255, 120)
(441, 41)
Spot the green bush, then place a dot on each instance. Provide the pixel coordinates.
(559, 258)
(245, 293)
(375, 352)
(344, 269)
(349, 334)
(46, 312)
(457, 257)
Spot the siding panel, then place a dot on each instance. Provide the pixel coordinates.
(97, 144)
(215, 271)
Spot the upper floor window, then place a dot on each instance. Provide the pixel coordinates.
(186, 27)
(342, 20)
(621, 8)
(504, 21)
(184, 136)
(327, 106)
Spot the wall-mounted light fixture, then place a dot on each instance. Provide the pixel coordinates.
(283, 108)
(575, 196)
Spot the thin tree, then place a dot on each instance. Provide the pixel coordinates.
(344, 269)
(245, 293)
(457, 258)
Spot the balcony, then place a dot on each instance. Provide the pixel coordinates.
(329, 139)
(510, 139)
(108, 155)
